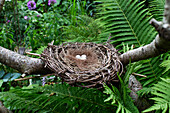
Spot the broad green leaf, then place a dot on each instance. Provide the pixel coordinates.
(2, 72)
(14, 76)
(7, 77)
(1, 82)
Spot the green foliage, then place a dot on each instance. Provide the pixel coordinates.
(41, 49)
(145, 91)
(166, 63)
(162, 96)
(6, 78)
(47, 26)
(128, 24)
(55, 98)
(156, 7)
(9, 76)
(127, 21)
(86, 30)
(120, 98)
(152, 69)
(77, 7)
(43, 24)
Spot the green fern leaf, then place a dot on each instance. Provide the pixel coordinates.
(127, 21)
(162, 96)
(56, 98)
(128, 24)
(120, 98)
(86, 30)
(166, 64)
(156, 7)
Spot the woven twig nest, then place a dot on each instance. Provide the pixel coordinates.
(84, 64)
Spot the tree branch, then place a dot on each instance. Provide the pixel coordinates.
(22, 63)
(155, 48)
(161, 44)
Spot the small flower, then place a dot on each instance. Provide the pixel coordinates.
(31, 5)
(8, 21)
(25, 17)
(38, 15)
(43, 81)
(51, 2)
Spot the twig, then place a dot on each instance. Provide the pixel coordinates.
(139, 75)
(21, 79)
(35, 54)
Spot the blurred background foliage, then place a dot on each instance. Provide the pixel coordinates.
(124, 22)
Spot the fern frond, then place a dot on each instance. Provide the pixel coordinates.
(162, 96)
(166, 63)
(156, 7)
(127, 21)
(86, 30)
(41, 49)
(128, 24)
(151, 68)
(145, 91)
(56, 98)
(121, 98)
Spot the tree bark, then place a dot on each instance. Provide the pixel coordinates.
(159, 45)
(156, 47)
(23, 64)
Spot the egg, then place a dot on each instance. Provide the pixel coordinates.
(78, 56)
(83, 57)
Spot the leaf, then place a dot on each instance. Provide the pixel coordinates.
(166, 64)
(156, 7)
(10, 40)
(162, 96)
(128, 24)
(41, 49)
(7, 77)
(60, 98)
(58, 2)
(15, 76)
(1, 82)
(121, 98)
(2, 72)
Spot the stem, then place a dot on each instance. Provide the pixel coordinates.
(21, 79)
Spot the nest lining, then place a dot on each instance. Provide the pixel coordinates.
(100, 66)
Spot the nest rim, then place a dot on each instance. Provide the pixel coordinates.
(55, 59)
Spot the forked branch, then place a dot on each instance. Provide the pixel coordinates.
(161, 44)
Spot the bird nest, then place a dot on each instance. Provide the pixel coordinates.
(84, 64)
